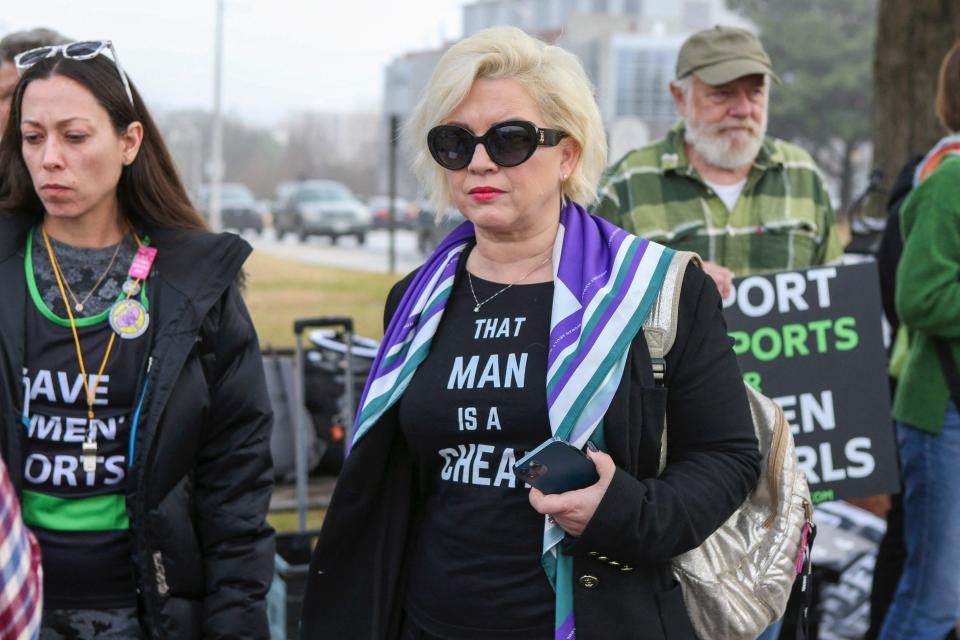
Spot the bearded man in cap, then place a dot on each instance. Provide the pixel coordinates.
(717, 184)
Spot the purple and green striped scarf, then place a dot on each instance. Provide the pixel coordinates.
(605, 283)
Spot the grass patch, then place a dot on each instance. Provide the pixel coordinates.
(280, 291)
(287, 521)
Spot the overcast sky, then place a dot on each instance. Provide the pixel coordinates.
(279, 55)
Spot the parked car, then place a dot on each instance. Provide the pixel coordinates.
(320, 208)
(430, 232)
(239, 210)
(404, 213)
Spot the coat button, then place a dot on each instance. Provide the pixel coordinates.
(613, 563)
(626, 567)
(588, 582)
(603, 558)
(593, 554)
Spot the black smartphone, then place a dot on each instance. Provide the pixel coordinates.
(556, 466)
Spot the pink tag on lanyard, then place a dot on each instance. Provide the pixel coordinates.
(142, 263)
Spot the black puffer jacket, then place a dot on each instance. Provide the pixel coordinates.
(200, 483)
(891, 244)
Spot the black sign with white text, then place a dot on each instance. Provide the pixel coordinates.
(812, 341)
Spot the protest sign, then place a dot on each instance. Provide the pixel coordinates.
(812, 340)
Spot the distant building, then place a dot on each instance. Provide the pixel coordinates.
(541, 16)
(628, 49)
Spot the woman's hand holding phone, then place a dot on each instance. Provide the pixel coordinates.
(572, 510)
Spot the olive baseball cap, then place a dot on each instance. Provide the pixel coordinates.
(722, 54)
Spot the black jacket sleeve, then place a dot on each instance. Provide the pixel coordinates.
(891, 243)
(234, 478)
(713, 457)
(395, 296)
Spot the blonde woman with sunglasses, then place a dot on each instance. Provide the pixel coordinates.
(133, 413)
(521, 334)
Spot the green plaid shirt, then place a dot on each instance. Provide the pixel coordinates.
(782, 220)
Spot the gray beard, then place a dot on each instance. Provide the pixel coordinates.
(718, 150)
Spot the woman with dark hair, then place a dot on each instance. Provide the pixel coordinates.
(135, 421)
(927, 601)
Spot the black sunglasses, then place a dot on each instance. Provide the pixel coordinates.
(507, 143)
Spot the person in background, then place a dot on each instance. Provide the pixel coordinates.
(892, 550)
(927, 601)
(134, 417)
(522, 326)
(21, 578)
(717, 185)
(11, 45)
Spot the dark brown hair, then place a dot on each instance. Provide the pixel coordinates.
(948, 90)
(149, 191)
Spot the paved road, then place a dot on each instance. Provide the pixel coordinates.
(372, 256)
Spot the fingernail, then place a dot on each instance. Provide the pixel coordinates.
(592, 446)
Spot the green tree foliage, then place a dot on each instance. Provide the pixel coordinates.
(823, 52)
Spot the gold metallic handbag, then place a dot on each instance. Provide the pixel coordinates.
(739, 580)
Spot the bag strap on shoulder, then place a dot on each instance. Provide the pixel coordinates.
(660, 328)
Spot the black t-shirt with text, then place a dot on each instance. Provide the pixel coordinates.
(475, 406)
(79, 517)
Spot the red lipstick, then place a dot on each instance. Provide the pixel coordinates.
(485, 194)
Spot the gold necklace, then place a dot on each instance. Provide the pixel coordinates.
(89, 447)
(479, 304)
(78, 304)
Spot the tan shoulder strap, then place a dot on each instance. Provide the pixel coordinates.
(660, 327)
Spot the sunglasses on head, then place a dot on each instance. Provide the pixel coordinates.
(507, 143)
(84, 50)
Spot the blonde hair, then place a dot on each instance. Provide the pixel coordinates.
(556, 81)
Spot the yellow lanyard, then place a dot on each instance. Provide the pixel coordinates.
(90, 444)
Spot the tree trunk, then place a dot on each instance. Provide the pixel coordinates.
(912, 38)
(846, 174)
